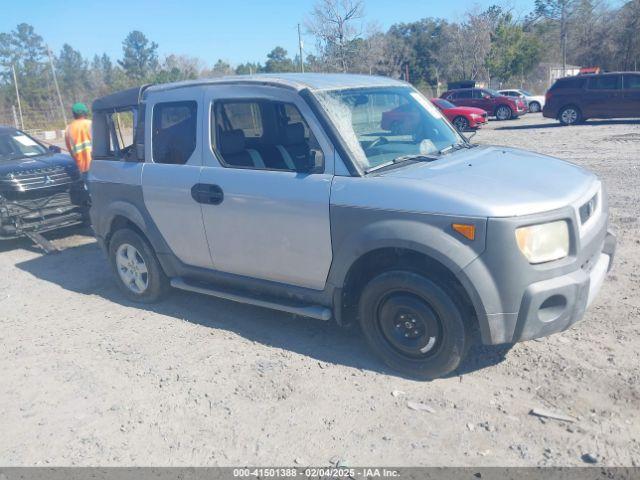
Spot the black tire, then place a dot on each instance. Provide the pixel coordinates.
(157, 282)
(413, 324)
(504, 112)
(570, 115)
(461, 123)
(534, 107)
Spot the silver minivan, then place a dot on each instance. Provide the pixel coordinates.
(288, 192)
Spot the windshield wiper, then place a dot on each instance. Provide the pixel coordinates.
(454, 147)
(402, 159)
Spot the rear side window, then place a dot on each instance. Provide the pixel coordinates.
(463, 94)
(571, 82)
(174, 132)
(632, 82)
(608, 82)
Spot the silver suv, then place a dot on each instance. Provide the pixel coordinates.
(287, 192)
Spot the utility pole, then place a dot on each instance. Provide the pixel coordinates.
(15, 116)
(300, 47)
(15, 82)
(55, 82)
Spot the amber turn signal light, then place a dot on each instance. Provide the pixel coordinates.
(468, 231)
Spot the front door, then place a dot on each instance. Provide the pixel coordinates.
(173, 160)
(269, 216)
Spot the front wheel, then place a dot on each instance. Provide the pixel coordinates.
(136, 268)
(461, 124)
(503, 113)
(413, 324)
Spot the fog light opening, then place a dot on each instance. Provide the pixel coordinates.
(552, 308)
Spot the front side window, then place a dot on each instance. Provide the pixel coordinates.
(378, 125)
(265, 135)
(463, 94)
(609, 82)
(174, 130)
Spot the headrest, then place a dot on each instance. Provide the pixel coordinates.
(231, 142)
(294, 134)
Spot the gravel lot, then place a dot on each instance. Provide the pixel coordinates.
(90, 379)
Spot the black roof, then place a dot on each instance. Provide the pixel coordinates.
(120, 100)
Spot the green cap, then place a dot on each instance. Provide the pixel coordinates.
(79, 109)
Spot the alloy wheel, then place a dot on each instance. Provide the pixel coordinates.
(132, 268)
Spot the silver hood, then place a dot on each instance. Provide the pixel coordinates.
(483, 181)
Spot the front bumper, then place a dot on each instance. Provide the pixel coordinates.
(41, 214)
(553, 305)
(516, 301)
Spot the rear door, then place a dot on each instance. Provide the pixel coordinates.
(173, 160)
(463, 98)
(604, 97)
(631, 92)
(270, 221)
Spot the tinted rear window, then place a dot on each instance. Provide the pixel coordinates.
(608, 82)
(571, 82)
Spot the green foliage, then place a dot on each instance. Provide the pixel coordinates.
(139, 57)
(513, 52)
(279, 61)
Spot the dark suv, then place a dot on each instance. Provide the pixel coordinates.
(572, 100)
(492, 102)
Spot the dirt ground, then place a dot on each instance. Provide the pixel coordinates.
(90, 379)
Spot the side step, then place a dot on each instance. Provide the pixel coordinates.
(313, 311)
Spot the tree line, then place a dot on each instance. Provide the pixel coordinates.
(490, 45)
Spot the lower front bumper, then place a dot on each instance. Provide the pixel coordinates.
(554, 305)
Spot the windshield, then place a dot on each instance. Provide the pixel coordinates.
(16, 144)
(379, 125)
(495, 93)
(443, 103)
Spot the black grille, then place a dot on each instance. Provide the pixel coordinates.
(26, 180)
(587, 210)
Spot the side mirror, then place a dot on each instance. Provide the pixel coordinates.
(314, 164)
(54, 149)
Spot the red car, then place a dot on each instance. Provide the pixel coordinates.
(463, 118)
(500, 106)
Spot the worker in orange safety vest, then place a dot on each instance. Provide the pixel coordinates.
(78, 137)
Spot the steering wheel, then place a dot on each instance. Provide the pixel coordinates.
(377, 141)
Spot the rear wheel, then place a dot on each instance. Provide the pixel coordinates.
(461, 124)
(570, 115)
(503, 112)
(413, 324)
(136, 268)
(534, 107)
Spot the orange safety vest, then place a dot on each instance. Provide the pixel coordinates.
(78, 138)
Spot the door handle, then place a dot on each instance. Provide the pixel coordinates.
(207, 193)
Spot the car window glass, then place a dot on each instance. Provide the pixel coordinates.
(16, 144)
(632, 82)
(174, 132)
(573, 82)
(463, 94)
(121, 125)
(607, 82)
(264, 135)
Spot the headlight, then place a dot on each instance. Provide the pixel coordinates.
(544, 242)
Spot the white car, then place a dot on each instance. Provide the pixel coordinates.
(534, 102)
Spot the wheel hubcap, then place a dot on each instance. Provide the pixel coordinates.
(132, 268)
(569, 115)
(502, 113)
(410, 325)
(460, 124)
